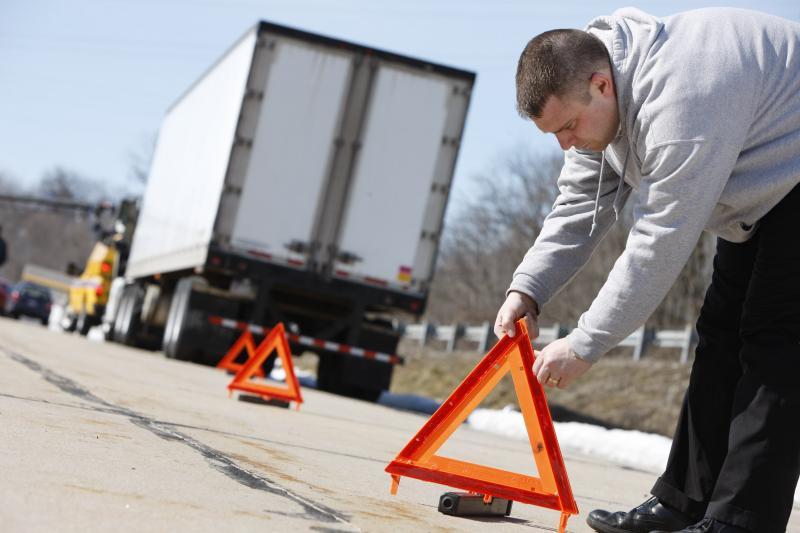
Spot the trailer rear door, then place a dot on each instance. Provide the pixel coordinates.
(288, 167)
(394, 182)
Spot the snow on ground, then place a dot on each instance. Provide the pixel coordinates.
(96, 334)
(56, 315)
(633, 449)
(304, 377)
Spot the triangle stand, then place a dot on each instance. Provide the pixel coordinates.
(551, 489)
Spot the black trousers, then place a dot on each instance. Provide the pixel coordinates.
(736, 451)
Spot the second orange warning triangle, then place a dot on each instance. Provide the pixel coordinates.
(551, 489)
(244, 342)
(274, 341)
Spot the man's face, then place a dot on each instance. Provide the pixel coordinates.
(588, 125)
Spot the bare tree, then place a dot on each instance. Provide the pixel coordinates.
(62, 184)
(140, 161)
(8, 185)
(484, 242)
(682, 303)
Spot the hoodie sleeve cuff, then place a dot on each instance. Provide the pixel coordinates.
(584, 347)
(527, 285)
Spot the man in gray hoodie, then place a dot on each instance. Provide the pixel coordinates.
(696, 119)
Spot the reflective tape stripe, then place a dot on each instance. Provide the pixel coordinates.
(310, 341)
(378, 282)
(299, 263)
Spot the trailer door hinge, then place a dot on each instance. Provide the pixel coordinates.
(241, 141)
(451, 141)
(297, 246)
(264, 42)
(348, 258)
(254, 94)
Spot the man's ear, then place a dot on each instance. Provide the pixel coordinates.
(603, 83)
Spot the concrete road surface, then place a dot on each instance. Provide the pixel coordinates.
(99, 437)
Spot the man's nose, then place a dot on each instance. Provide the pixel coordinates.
(565, 140)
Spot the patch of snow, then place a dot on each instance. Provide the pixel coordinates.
(96, 334)
(55, 318)
(279, 374)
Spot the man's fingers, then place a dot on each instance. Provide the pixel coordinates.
(499, 330)
(504, 325)
(543, 374)
(509, 327)
(537, 364)
(533, 327)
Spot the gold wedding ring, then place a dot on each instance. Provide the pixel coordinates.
(554, 381)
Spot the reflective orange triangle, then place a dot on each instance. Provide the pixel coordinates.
(244, 342)
(551, 489)
(275, 340)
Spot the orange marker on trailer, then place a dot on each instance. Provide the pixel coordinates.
(551, 489)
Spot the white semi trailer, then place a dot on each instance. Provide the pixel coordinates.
(301, 179)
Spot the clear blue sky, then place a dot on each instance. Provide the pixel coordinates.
(84, 84)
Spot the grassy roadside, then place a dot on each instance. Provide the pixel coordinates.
(617, 392)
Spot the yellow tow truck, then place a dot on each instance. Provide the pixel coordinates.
(88, 294)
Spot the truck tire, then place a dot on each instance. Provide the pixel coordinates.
(120, 317)
(176, 343)
(353, 377)
(84, 323)
(68, 322)
(358, 377)
(126, 323)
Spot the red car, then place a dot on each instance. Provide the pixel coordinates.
(5, 290)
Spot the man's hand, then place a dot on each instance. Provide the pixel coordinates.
(515, 307)
(558, 366)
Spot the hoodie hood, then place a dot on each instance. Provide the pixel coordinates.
(629, 34)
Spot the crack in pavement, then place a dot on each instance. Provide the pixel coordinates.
(179, 425)
(165, 430)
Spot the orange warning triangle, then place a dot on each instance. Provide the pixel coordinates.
(244, 342)
(275, 340)
(551, 489)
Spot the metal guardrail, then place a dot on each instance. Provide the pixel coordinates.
(482, 337)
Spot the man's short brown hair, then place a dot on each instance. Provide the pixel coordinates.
(557, 62)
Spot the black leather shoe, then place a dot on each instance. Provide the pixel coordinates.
(708, 525)
(649, 516)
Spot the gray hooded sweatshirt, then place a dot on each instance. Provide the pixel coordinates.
(709, 139)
